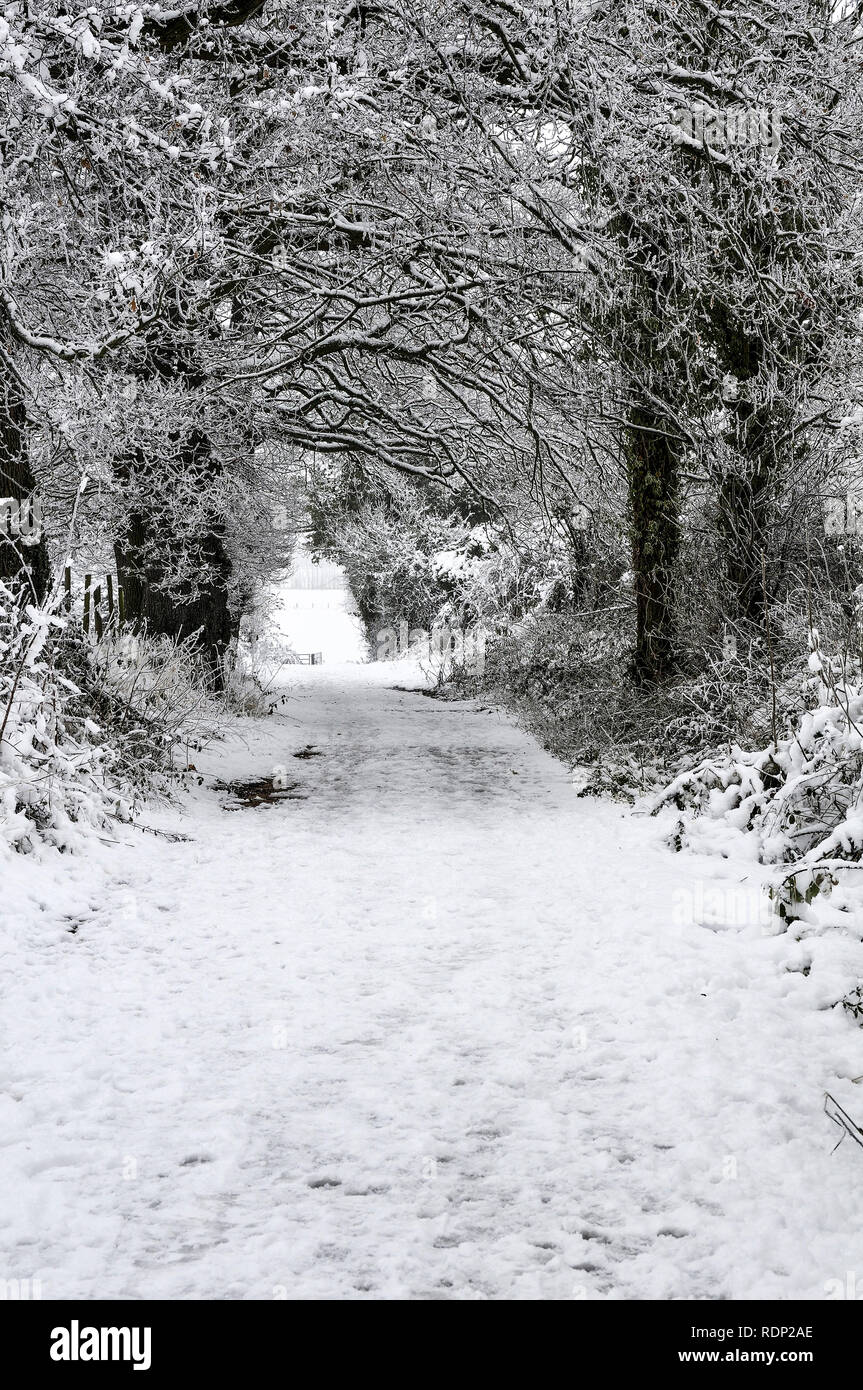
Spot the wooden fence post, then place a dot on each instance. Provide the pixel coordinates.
(97, 611)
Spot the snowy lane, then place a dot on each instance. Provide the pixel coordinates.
(438, 1030)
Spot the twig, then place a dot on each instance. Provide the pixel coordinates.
(845, 1123)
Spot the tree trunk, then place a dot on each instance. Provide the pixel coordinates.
(653, 477)
(749, 495)
(152, 601)
(19, 560)
(153, 551)
(744, 524)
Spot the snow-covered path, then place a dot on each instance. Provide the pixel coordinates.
(441, 1029)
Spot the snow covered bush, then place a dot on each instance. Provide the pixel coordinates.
(797, 802)
(409, 556)
(88, 728)
(429, 556)
(153, 697)
(148, 694)
(57, 770)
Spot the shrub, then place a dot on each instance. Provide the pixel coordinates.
(797, 801)
(56, 765)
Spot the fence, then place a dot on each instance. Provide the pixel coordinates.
(114, 614)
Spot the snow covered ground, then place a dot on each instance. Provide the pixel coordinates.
(436, 1028)
(321, 620)
(312, 610)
